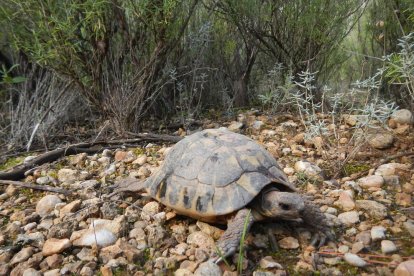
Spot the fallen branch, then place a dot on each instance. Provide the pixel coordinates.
(35, 187)
(18, 172)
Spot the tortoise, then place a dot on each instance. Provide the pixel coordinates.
(219, 176)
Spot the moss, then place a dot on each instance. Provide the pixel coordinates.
(120, 271)
(138, 151)
(348, 269)
(351, 168)
(11, 162)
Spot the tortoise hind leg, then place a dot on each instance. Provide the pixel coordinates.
(230, 240)
(127, 185)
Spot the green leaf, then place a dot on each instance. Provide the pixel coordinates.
(18, 79)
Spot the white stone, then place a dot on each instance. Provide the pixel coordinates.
(388, 246)
(47, 204)
(378, 233)
(373, 181)
(68, 175)
(349, 218)
(403, 116)
(354, 260)
(307, 168)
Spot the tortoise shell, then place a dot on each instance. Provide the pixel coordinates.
(214, 173)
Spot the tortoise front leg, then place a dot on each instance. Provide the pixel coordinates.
(318, 223)
(230, 240)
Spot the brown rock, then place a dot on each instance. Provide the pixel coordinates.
(405, 269)
(54, 246)
(403, 199)
(289, 243)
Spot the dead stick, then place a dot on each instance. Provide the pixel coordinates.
(361, 254)
(35, 187)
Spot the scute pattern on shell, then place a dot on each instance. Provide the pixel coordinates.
(213, 173)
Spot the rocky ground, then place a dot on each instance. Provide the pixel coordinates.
(89, 234)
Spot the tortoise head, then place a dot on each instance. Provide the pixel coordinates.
(283, 205)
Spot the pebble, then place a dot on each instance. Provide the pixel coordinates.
(345, 201)
(149, 210)
(208, 269)
(22, 255)
(55, 246)
(354, 260)
(388, 246)
(372, 181)
(378, 233)
(381, 140)
(47, 204)
(269, 262)
(349, 218)
(68, 175)
(405, 269)
(289, 243)
(201, 240)
(374, 209)
(307, 168)
(31, 272)
(403, 116)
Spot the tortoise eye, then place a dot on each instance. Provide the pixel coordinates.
(284, 206)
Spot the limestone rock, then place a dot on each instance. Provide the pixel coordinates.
(374, 209)
(47, 204)
(349, 218)
(403, 116)
(55, 246)
(373, 181)
(381, 140)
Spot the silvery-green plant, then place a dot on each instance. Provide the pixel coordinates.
(399, 67)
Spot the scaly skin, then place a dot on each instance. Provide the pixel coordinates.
(230, 240)
(317, 222)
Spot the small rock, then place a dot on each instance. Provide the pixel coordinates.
(44, 180)
(212, 231)
(47, 204)
(106, 271)
(183, 272)
(268, 262)
(388, 246)
(208, 269)
(381, 140)
(403, 199)
(378, 233)
(87, 255)
(405, 269)
(345, 201)
(389, 169)
(55, 246)
(373, 181)
(53, 272)
(409, 226)
(403, 116)
(149, 210)
(68, 175)
(289, 243)
(11, 190)
(235, 126)
(374, 209)
(189, 265)
(54, 261)
(349, 218)
(354, 260)
(201, 240)
(257, 125)
(143, 172)
(307, 168)
(32, 272)
(70, 208)
(22, 255)
(343, 249)
(141, 160)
